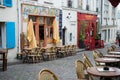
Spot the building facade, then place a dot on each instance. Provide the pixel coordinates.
(97, 15)
(108, 22)
(9, 27)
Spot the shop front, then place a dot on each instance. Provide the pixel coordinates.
(86, 30)
(43, 20)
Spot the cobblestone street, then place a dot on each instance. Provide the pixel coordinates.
(64, 68)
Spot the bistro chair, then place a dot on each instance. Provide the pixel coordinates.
(87, 61)
(99, 53)
(73, 49)
(95, 56)
(50, 54)
(80, 70)
(113, 47)
(62, 51)
(31, 56)
(39, 55)
(46, 74)
(109, 49)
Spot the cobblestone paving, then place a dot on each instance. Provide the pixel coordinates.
(64, 68)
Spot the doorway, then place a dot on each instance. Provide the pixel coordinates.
(63, 39)
(41, 35)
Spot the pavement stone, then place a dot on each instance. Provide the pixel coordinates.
(64, 68)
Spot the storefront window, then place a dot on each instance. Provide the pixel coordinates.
(41, 20)
(49, 31)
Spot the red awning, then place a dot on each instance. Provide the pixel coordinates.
(114, 2)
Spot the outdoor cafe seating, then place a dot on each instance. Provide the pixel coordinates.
(109, 74)
(39, 54)
(81, 70)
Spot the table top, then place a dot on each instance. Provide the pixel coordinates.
(112, 56)
(112, 72)
(107, 60)
(114, 52)
(3, 51)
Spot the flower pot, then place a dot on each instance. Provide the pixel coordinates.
(81, 44)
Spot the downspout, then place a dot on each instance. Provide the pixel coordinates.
(101, 11)
(18, 46)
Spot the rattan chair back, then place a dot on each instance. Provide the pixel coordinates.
(46, 74)
(80, 68)
(87, 61)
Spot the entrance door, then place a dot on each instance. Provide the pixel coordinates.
(63, 39)
(41, 35)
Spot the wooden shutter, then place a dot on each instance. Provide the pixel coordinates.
(7, 3)
(10, 34)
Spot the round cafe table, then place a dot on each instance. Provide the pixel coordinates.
(112, 56)
(108, 61)
(98, 71)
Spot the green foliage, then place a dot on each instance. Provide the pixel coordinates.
(97, 36)
(82, 37)
(83, 25)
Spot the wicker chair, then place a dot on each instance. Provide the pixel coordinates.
(46, 74)
(32, 55)
(96, 55)
(73, 49)
(39, 56)
(109, 49)
(87, 61)
(49, 52)
(87, 64)
(99, 53)
(80, 70)
(113, 47)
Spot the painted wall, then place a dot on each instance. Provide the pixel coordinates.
(9, 14)
(70, 22)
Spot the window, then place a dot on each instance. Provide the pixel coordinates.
(7, 3)
(97, 6)
(1, 2)
(87, 5)
(70, 3)
(7, 35)
(80, 4)
(49, 28)
(113, 12)
(70, 36)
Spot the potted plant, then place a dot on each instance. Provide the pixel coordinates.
(97, 37)
(83, 25)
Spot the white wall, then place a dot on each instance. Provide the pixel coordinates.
(71, 25)
(9, 14)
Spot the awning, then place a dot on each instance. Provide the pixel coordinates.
(114, 3)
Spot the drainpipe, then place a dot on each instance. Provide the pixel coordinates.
(18, 46)
(101, 11)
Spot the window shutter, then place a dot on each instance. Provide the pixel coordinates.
(10, 35)
(7, 3)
